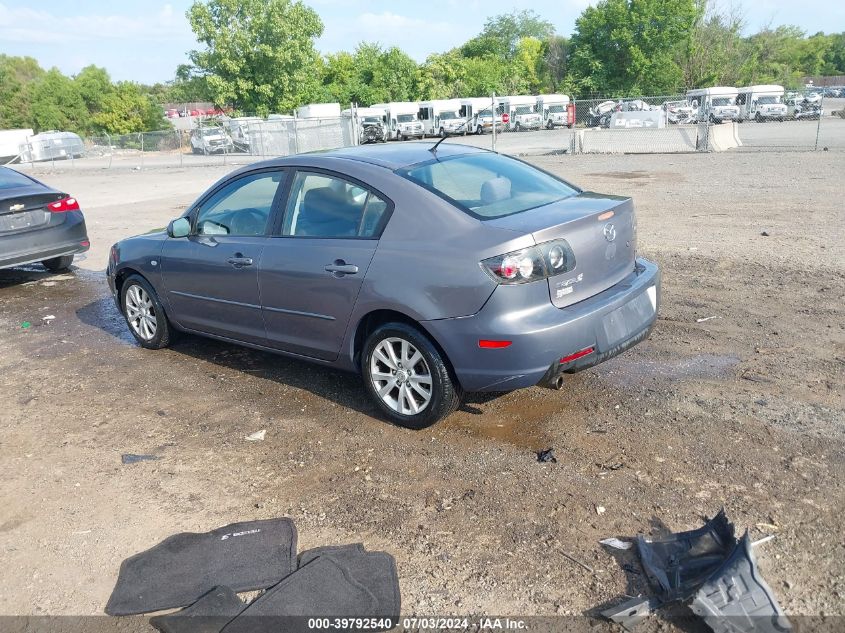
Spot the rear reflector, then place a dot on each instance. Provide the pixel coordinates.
(63, 205)
(485, 344)
(577, 355)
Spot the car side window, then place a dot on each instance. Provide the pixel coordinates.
(331, 207)
(240, 208)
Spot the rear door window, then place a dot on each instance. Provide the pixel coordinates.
(326, 206)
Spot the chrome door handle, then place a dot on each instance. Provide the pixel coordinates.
(240, 262)
(341, 268)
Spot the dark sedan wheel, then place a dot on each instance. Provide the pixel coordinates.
(58, 264)
(144, 314)
(407, 377)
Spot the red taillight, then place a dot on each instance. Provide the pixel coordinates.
(63, 205)
(576, 355)
(488, 344)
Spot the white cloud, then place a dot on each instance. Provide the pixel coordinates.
(22, 24)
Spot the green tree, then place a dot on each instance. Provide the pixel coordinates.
(94, 85)
(715, 53)
(369, 75)
(555, 60)
(127, 109)
(57, 105)
(511, 28)
(629, 46)
(259, 54)
(529, 63)
(17, 77)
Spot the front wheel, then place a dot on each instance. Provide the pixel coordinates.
(442, 133)
(58, 264)
(407, 378)
(144, 314)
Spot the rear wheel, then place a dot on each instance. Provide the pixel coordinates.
(144, 314)
(58, 264)
(407, 378)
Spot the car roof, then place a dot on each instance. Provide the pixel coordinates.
(395, 155)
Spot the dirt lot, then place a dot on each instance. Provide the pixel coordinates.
(744, 410)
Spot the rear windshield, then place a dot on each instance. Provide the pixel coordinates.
(10, 179)
(489, 186)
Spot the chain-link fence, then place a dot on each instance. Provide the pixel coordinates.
(639, 125)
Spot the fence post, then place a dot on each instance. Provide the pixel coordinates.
(819, 122)
(493, 117)
(295, 134)
(181, 151)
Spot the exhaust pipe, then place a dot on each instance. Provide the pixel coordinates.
(555, 383)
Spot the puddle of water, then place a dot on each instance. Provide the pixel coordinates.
(622, 175)
(628, 371)
(517, 419)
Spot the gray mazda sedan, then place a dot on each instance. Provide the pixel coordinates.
(431, 269)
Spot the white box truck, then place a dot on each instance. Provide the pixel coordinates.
(553, 110)
(716, 104)
(522, 112)
(318, 111)
(761, 103)
(402, 119)
(440, 117)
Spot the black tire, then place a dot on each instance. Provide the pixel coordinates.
(517, 127)
(479, 131)
(758, 118)
(164, 332)
(446, 393)
(442, 133)
(58, 264)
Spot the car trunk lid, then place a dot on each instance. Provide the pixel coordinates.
(600, 229)
(25, 208)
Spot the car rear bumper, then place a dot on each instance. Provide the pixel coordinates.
(541, 335)
(68, 238)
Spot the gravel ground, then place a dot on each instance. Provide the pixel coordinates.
(744, 410)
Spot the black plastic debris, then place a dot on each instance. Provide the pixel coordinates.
(712, 571)
(132, 458)
(736, 599)
(678, 564)
(631, 613)
(546, 456)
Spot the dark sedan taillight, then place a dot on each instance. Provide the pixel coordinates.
(64, 205)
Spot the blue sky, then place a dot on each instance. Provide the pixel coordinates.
(145, 40)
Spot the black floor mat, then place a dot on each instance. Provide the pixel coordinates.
(182, 568)
(322, 588)
(374, 570)
(209, 614)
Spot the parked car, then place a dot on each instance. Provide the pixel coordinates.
(211, 140)
(38, 223)
(431, 270)
(679, 112)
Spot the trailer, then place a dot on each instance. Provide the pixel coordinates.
(761, 103)
(11, 142)
(716, 104)
(51, 145)
(441, 117)
(402, 119)
(521, 111)
(554, 111)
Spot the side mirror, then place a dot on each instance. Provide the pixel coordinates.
(180, 227)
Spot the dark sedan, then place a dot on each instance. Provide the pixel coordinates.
(38, 223)
(431, 270)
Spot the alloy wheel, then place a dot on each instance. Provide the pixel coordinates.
(401, 376)
(140, 312)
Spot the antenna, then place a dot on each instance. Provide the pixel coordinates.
(433, 148)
